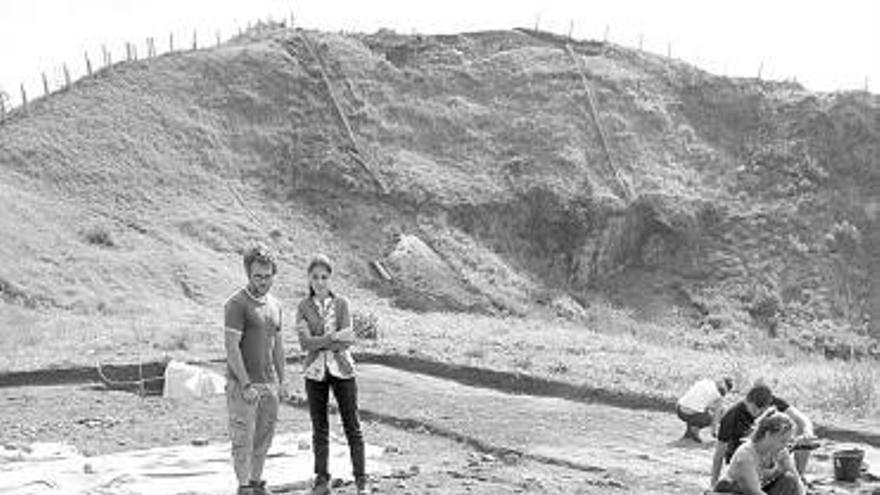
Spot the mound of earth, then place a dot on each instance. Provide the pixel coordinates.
(486, 169)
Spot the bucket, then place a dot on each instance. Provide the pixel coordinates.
(847, 464)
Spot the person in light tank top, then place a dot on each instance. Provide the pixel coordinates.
(762, 464)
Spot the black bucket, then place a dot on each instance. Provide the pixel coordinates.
(848, 464)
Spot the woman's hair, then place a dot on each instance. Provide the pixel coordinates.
(318, 260)
(771, 421)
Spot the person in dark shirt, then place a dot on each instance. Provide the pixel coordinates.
(255, 369)
(762, 464)
(736, 424)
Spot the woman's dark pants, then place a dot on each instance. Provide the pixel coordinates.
(345, 391)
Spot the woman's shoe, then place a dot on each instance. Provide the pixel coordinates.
(321, 486)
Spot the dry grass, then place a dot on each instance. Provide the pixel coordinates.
(612, 350)
(620, 353)
(850, 389)
(54, 339)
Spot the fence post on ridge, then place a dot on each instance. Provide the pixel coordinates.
(23, 97)
(170, 42)
(195, 41)
(45, 85)
(88, 64)
(66, 77)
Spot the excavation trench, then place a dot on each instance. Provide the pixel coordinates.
(127, 376)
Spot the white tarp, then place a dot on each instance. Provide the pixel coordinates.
(872, 459)
(186, 381)
(43, 469)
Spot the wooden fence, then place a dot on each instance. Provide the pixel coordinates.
(8, 105)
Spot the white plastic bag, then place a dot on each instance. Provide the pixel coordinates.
(185, 381)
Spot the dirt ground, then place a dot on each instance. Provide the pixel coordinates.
(98, 422)
(439, 436)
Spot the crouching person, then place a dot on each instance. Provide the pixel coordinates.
(762, 465)
(255, 370)
(700, 407)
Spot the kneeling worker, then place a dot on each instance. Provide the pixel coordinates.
(700, 406)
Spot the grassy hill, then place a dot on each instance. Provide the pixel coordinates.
(501, 178)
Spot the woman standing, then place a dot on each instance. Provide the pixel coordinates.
(324, 328)
(762, 465)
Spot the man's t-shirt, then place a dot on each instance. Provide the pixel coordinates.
(700, 396)
(736, 424)
(258, 321)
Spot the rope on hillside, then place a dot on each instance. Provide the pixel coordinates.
(625, 187)
(354, 151)
(241, 203)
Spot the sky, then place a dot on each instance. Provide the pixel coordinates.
(825, 45)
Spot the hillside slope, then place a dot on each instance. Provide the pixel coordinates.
(492, 172)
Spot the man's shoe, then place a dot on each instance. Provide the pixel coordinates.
(362, 485)
(259, 488)
(321, 487)
(693, 435)
(245, 490)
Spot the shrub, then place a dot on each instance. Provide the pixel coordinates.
(558, 368)
(366, 325)
(476, 353)
(175, 342)
(523, 363)
(99, 236)
(765, 305)
(765, 308)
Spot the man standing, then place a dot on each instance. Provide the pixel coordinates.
(255, 369)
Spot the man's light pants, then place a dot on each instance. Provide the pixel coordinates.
(251, 428)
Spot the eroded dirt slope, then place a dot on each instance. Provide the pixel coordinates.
(490, 171)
